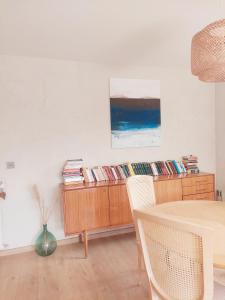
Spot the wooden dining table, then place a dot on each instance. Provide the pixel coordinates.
(210, 213)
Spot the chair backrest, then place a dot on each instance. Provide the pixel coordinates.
(178, 256)
(141, 191)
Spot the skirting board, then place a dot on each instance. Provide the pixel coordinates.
(75, 239)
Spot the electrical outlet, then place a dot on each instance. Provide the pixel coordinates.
(2, 186)
(2, 190)
(219, 195)
(10, 165)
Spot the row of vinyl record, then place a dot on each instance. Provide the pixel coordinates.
(122, 171)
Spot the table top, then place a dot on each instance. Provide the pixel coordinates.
(210, 213)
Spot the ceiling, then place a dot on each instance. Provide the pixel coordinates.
(153, 32)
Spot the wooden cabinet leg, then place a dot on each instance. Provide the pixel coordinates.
(80, 238)
(140, 257)
(85, 235)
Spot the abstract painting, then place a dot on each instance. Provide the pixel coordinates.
(135, 113)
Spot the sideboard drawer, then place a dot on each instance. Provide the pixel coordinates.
(197, 189)
(204, 196)
(196, 181)
(197, 185)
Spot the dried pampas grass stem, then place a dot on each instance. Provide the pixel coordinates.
(44, 210)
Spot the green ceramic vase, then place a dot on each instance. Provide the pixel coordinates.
(46, 242)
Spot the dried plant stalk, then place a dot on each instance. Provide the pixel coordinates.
(50, 209)
(44, 210)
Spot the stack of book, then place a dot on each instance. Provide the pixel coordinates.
(191, 163)
(122, 171)
(72, 172)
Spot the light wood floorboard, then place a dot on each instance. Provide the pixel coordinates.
(109, 273)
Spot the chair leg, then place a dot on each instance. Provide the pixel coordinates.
(140, 258)
(85, 236)
(139, 255)
(80, 238)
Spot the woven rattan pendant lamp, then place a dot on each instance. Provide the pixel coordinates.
(208, 53)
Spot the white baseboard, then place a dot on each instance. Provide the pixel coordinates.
(75, 239)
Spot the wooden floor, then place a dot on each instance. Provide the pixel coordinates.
(109, 273)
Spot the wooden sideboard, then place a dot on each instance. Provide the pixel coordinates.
(90, 206)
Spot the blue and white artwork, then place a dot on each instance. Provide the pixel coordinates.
(135, 113)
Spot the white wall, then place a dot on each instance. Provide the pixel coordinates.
(220, 131)
(56, 110)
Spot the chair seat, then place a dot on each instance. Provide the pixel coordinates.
(219, 284)
(219, 291)
(219, 276)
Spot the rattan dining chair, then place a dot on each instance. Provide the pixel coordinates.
(141, 194)
(178, 257)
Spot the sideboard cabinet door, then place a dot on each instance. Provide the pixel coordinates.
(120, 212)
(86, 209)
(168, 190)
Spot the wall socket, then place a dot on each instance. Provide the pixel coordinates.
(219, 195)
(10, 165)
